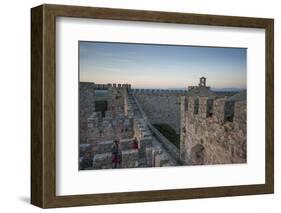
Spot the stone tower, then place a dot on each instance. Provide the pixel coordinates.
(202, 82)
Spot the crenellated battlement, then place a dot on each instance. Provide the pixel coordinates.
(95, 86)
(111, 85)
(222, 109)
(97, 119)
(158, 91)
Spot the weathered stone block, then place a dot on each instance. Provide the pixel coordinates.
(130, 158)
(149, 156)
(102, 161)
(143, 144)
(104, 146)
(161, 160)
(126, 144)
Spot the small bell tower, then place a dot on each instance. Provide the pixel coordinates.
(202, 82)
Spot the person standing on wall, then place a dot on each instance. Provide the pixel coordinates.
(119, 156)
(135, 143)
(115, 153)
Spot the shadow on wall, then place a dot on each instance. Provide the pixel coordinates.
(167, 131)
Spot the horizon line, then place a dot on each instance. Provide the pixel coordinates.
(177, 88)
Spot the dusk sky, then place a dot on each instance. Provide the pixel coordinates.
(161, 66)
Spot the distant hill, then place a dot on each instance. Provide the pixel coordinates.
(227, 89)
(230, 89)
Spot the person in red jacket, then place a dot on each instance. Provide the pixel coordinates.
(115, 151)
(135, 143)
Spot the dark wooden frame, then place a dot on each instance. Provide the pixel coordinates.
(43, 105)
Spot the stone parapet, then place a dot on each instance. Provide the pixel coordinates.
(102, 161)
(216, 134)
(130, 158)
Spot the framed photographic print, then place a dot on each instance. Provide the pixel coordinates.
(137, 106)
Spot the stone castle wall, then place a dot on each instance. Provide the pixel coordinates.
(116, 120)
(212, 128)
(116, 100)
(161, 106)
(86, 107)
(114, 123)
(108, 127)
(210, 137)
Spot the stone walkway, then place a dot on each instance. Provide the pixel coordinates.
(170, 161)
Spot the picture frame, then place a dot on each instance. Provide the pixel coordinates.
(43, 105)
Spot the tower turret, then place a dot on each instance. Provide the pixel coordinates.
(202, 82)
